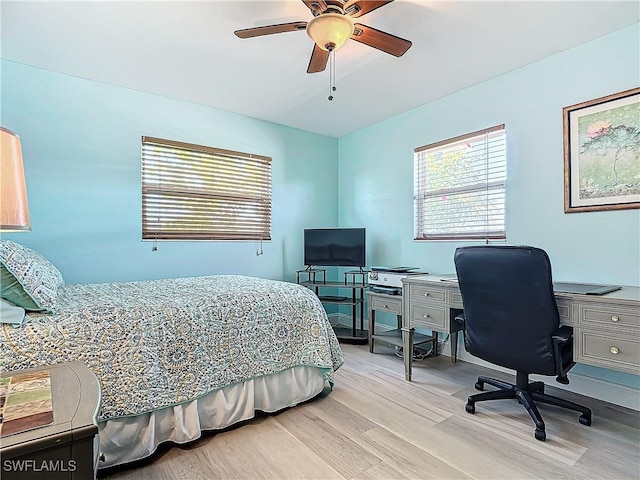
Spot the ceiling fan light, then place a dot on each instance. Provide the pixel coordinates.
(330, 30)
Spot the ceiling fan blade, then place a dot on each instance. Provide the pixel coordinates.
(358, 8)
(316, 6)
(271, 29)
(381, 40)
(318, 61)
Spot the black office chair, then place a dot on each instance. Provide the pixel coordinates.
(511, 319)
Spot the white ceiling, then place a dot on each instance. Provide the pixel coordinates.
(187, 50)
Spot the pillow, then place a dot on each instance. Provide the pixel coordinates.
(11, 314)
(27, 279)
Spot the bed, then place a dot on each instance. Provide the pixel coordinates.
(174, 357)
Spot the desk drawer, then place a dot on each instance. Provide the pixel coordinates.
(391, 305)
(421, 293)
(564, 309)
(455, 299)
(607, 315)
(608, 350)
(431, 317)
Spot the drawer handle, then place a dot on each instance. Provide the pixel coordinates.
(386, 306)
(426, 315)
(614, 350)
(615, 318)
(426, 294)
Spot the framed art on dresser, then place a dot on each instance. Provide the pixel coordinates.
(602, 153)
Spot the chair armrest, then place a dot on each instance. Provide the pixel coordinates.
(460, 320)
(562, 336)
(562, 348)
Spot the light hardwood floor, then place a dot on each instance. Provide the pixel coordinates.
(375, 425)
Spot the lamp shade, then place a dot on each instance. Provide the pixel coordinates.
(330, 30)
(14, 208)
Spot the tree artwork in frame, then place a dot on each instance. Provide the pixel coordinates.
(602, 153)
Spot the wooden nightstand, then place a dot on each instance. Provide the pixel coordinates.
(67, 448)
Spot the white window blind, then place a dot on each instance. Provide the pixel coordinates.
(459, 187)
(194, 192)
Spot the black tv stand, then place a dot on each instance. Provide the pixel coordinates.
(354, 280)
(332, 298)
(312, 269)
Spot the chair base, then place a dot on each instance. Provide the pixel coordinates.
(527, 393)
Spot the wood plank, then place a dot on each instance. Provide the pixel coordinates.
(396, 399)
(344, 454)
(406, 458)
(390, 448)
(266, 451)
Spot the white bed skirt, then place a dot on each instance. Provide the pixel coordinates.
(128, 439)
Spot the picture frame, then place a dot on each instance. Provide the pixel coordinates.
(602, 153)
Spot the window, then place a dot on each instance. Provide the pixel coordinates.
(459, 187)
(192, 192)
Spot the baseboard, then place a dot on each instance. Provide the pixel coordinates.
(591, 387)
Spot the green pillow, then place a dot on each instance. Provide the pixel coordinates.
(27, 279)
(13, 292)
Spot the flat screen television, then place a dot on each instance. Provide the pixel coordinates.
(334, 247)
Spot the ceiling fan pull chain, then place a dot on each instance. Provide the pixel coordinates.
(333, 54)
(332, 73)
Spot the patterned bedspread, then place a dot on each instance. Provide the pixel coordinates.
(159, 343)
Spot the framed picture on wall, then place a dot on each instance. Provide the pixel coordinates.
(602, 153)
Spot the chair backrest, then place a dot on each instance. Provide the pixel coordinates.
(509, 306)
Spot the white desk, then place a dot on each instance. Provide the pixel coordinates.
(606, 328)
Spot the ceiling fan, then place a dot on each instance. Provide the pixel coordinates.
(332, 26)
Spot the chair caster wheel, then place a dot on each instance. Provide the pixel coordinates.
(540, 435)
(585, 420)
(470, 408)
(479, 386)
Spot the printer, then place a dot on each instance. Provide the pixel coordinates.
(389, 279)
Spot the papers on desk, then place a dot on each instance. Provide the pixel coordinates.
(583, 288)
(449, 278)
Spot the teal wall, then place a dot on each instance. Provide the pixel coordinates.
(81, 148)
(376, 168)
